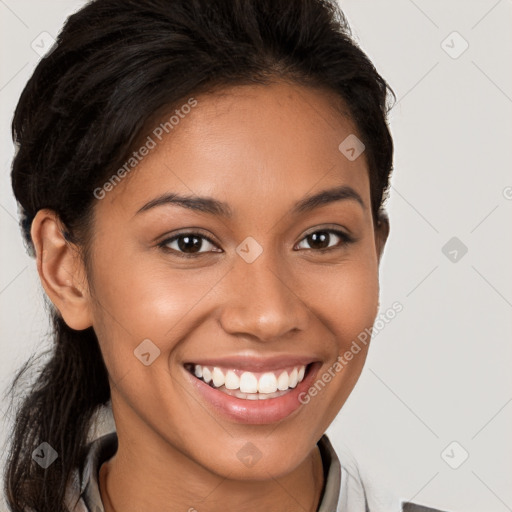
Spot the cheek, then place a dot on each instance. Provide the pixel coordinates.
(345, 299)
(346, 303)
(136, 301)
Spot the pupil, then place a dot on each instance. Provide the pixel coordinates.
(189, 242)
(319, 240)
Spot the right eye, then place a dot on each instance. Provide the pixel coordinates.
(187, 244)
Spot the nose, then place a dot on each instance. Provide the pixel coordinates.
(262, 301)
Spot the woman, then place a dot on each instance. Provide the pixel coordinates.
(202, 185)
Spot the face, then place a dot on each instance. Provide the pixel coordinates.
(267, 291)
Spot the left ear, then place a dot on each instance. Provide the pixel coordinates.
(381, 232)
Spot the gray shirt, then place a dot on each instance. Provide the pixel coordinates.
(344, 490)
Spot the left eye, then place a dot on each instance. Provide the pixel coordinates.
(319, 239)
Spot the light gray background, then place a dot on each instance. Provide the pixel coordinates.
(440, 371)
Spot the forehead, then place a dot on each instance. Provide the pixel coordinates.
(245, 144)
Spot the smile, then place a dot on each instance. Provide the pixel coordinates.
(261, 392)
(250, 385)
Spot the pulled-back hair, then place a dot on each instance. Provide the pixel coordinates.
(115, 66)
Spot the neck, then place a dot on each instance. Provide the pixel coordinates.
(126, 482)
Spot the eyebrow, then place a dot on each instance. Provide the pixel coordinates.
(215, 207)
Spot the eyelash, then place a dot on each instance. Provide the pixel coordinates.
(345, 240)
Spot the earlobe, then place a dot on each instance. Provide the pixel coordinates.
(61, 270)
(381, 232)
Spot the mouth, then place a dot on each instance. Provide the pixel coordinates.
(248, 385)
(252, 394)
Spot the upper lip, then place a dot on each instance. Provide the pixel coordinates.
(254, 364)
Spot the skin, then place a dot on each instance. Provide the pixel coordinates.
(260, 149)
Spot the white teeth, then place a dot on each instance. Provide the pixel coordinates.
(292, 379)
(254, 396)
(248, 383)
(232, 380)
(218, 377)
(282, 381)
(267, 383)
(207, 375)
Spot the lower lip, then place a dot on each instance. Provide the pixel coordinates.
(255, 412)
